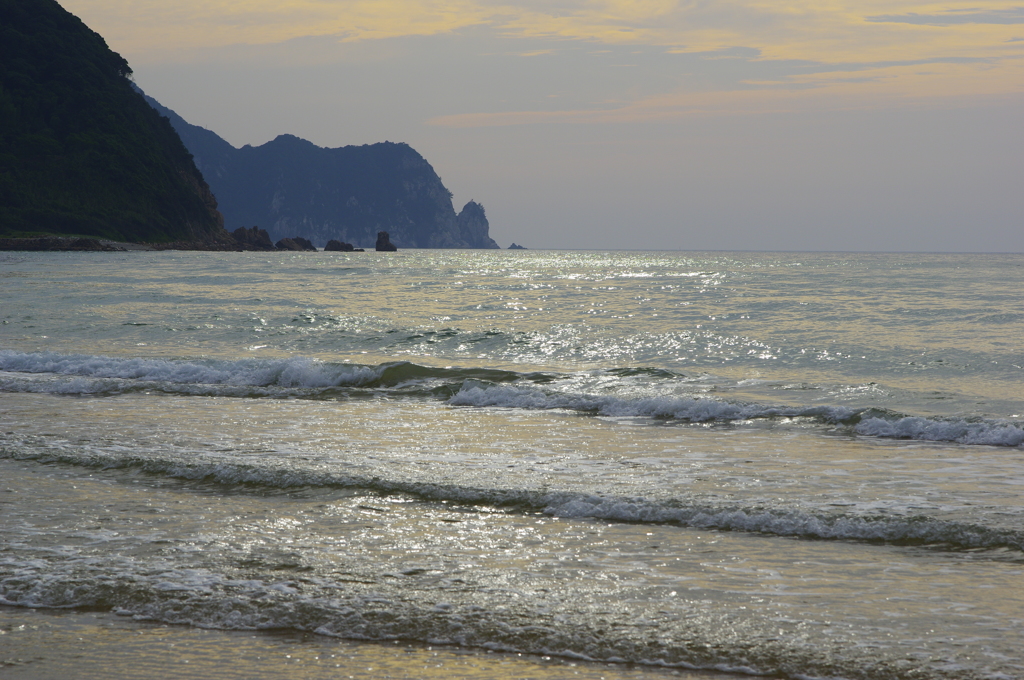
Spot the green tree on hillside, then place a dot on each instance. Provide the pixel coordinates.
(81, 152)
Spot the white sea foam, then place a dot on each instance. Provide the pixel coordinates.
(796, 523)
(86, 374)
(703, 410)
(294, 372)
(217, 598)
(683, 408)
(210, 599)
(691, 409)
(778, 521)
(993, 433)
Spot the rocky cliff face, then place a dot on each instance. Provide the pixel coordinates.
(290, 186)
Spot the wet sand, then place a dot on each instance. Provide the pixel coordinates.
(58, 645)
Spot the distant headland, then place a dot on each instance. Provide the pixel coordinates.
(348, 194)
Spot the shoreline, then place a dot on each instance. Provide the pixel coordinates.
(48, 644)
(88, 244)
(69, 244)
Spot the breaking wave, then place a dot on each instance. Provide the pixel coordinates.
(783, 522)
(627, 393)
(367, 608)
(85, 374)
(866, 422)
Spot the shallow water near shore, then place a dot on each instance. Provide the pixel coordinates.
(802, 465)
(41, 644)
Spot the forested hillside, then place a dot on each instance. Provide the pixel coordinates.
(81, 152)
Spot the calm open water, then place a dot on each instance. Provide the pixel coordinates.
(798, 465)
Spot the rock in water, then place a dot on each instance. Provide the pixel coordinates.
(253, 239)
(384, 242)
(295, 243)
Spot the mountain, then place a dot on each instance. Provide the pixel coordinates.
(291, 187)
(81, 152)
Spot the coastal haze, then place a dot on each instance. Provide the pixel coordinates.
(856, 126)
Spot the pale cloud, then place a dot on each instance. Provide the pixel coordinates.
(982, 35)
(139, 26)
(793, 29)
(1013, 15)
(856, 87)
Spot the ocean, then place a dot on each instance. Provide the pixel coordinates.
(514, 464)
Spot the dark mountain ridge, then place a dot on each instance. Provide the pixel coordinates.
(80, 151)
(290, 186)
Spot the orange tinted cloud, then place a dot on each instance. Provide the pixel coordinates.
(972, 45)
(864, 30)
(907, 86)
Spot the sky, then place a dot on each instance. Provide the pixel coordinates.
(835, 125)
